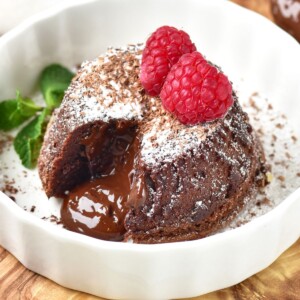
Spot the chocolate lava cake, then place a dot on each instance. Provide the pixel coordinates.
(129, 170)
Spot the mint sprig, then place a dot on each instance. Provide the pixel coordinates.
(54, 80)
(26, 106)
(9, 118)
(16, 111)
(28, 141)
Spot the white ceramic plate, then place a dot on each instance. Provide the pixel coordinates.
(247, 46)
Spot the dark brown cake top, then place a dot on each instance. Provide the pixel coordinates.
(108, 88)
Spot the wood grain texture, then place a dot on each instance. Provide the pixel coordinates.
(260, 6)
(279, 281)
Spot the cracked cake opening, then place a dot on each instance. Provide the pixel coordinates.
(97, 207)
(189, 181)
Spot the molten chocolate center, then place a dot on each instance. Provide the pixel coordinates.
(98, 207)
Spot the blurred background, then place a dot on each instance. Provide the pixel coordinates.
(12, 12)
(286, 13)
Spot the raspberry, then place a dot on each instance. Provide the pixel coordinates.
(163, 49)
(196, 91)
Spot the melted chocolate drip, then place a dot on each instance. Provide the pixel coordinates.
(98, 207)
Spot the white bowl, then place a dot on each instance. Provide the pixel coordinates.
(247, 46)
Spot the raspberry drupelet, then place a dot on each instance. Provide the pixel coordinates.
(196, 91)
(163, 49)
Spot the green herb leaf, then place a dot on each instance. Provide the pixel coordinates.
(16, 111)
(10, 117)
(54, 80)
(29, 140)
(26, 106)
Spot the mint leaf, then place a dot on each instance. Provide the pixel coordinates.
(26, 106)
(29, 140)
(10, 117)
(16, 111)
(54, 80)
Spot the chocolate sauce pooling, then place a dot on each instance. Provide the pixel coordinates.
(98, 207)
(287, 15)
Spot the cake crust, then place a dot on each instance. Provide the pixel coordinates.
(188, 181)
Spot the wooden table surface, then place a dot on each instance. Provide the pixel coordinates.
(16, 282)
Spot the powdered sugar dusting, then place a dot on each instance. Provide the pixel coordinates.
(106, 88)
(163, 144)
(282, 150)
(281, 146)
